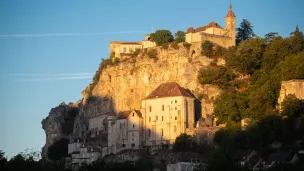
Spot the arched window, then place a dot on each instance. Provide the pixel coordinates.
(149, 132)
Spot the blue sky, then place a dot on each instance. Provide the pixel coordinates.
(49, 50)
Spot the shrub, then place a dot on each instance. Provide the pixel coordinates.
(207, 48)
(179, 36)
(165, 46)
(220, 76)
(174, 45)
(187, 45)
(161, 37)
(152, 53)
(219, 51)
(136, 53)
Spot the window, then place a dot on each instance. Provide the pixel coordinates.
(175, 118)
(150, 108)
(149, 132)
(133, 125)
(163, 107)
(162, 118)
(124, 50)
(156, 117)
(149, 119)
(175, 101)
(133, 114)
(175, 108)
(162, 132)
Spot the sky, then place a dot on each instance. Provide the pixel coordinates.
(49, 50)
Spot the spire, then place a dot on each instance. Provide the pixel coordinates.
(230, 12)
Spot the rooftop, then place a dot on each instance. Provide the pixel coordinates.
(169, 89)
(203, 28)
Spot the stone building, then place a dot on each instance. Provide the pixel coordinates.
(295, 87)
(126, 49)
(167, 112)
(214, 32)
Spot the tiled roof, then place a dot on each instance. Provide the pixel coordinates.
(169, 89)
(203, 28)
(131, 43)
(125, 114)
(230, 13)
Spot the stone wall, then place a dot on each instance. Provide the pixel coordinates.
(295, 87)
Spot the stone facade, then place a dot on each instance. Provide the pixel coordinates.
(295, 87)
(214, 32)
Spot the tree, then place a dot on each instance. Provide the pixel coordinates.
(183, 142)
(249, 55)
(245, 31)
(3, 160)
(161, 37)
(292, 67)
(297, 40)
(270, 36)
(179, 36)
(291, 106)
(207, 48)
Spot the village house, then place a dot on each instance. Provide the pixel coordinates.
(185, 161)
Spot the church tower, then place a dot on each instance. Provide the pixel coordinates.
(231, 25)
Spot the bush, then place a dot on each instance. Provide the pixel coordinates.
(161, 37)
(179, 36)
(152, 53)
(187, 45)
(174, 45)
(136, 53)
(165, 46)
(219, 51)
(207, 48)
(220, 76)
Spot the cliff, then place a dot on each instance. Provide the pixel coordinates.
(295, 87)
(123, 85)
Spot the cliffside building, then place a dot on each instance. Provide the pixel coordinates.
(166, 113)
(214, 32)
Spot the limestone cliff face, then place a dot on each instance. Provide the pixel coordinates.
(58, 124)
(126, 83)
(291, 87)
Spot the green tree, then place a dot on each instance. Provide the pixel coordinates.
(220, 76)
(270, 36)
(161, 37)
(179, 36)
(245, 31)
(3, 160)
(292, 67)
(207, 48)
(248, 56)
(291, 106)
(297, 40)
(183, 143)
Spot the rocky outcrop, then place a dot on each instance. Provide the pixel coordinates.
(295, 87)
(58, 125)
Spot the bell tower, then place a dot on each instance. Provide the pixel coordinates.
(231, 24)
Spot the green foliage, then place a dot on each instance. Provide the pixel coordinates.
(187, 45)
(183, 143)
(292, 67)
(207, 48)
(180, 36)
(220, 76)
(165, 45)
(231, 106)
(152, 53)
(58, 149)
(249, 55)
(297, 41)
(270, 36)
(244, 32)
(174, 45)
(220, 51)
(292, 106)
(161, 37)
(112, 56)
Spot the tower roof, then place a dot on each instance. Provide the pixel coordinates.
(169, 89)
(230, 12)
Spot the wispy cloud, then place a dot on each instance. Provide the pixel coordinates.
(48, 77)
(53, 79)
(67, 34)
